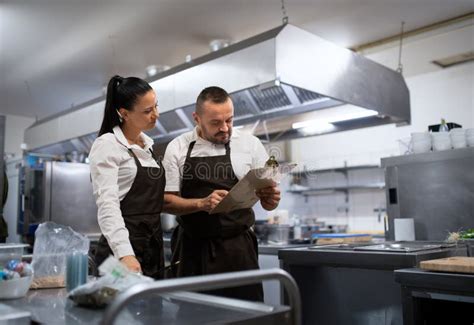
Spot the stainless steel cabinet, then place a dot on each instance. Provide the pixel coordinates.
(436, 189)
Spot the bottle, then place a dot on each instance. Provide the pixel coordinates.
(271, 162)
(296, 227)
(443, 126)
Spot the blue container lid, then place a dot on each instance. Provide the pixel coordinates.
(342, 235)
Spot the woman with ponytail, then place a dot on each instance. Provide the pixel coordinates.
(128, 180)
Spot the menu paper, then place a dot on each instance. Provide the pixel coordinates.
(242, 195)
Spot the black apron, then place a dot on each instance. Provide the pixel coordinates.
(217, 243)
(141, 209)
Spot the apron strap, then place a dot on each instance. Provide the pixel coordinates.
(190, 149)
(137, 162)
(227, 149)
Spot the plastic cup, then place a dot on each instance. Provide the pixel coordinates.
(76, 270)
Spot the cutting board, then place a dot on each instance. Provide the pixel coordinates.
(457, 264)
(329, 239)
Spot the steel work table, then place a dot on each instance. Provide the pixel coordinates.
(51, 306)
(428, 296)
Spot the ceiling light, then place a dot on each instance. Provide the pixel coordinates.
(217, 44)
(317, 128)
(153, 70)
(355, 113)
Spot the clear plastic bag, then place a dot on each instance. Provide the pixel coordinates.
(52, 243)
(99, 293)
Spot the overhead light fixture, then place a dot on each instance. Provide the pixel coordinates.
(317, 127)
(217, 44)
(354, 114)
(153, 70)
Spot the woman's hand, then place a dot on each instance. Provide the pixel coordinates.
(131, 263)
(269, 197)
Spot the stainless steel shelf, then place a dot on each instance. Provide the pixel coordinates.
(333, 170)
(345, 189)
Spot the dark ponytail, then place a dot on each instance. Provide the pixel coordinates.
(121, 93)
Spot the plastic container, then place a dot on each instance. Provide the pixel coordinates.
(278, 234)
(15, 288)
(11, 252)
(76, 270)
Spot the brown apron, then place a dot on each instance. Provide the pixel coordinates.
(141, 208)
(217, 243)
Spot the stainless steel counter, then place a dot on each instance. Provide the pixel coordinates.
(50, 306)
(266, 249)
(168, 302)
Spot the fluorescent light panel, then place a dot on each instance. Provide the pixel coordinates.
(346, 113)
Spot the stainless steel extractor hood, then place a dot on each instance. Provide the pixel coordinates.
(284, 72)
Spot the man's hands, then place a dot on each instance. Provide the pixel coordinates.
(269, 197)
(209, 202)
(131, 263)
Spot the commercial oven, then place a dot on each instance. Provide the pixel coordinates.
(60, 192)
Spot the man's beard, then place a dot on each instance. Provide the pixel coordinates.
(215, 140)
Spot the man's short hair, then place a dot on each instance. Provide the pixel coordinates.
(215, 94)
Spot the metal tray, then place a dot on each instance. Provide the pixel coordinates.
(399, 247)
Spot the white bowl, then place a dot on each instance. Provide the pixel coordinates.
(457, 131)
(440, 136)
(420, 136)
(459, 142)
(470, 141)
(15, 288)
(440, 146)
(421, 146)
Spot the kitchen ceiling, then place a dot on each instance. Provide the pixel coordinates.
(58, 54)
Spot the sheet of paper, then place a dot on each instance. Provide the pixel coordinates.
(242, 195)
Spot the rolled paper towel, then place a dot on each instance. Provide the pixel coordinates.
(404, 229)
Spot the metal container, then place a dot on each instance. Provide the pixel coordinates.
(278, 234)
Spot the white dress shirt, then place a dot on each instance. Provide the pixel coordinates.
(113, 171)
(246, 152)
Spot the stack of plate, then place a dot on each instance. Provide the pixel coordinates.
(458, 138)
(441, 141)
(421, 142)
(470, 137)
